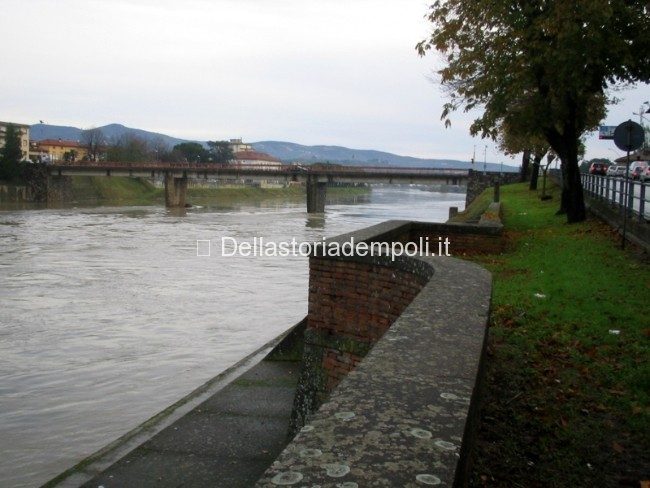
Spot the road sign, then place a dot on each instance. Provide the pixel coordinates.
(629, 136)
(606, 131)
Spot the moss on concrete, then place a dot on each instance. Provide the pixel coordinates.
(475, 209)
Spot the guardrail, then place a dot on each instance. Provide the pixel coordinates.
(255, 168)
(159, 166)
(620, 192)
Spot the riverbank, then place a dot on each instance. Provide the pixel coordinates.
(82, 366)
(568, 377)
(92, 190)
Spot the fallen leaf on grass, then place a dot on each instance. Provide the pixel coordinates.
(617, 447)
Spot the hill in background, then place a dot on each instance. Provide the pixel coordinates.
(285, 151)
(112, 132)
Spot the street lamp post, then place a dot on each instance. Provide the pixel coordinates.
(643, 109)
(485, 159)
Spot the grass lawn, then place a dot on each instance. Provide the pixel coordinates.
(567, 389)
(136, 191)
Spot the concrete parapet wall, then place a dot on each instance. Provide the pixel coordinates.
(492, 216)
(394, 349)
(477, 181)
(464, 238)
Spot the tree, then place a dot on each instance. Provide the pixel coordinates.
(173, 156)
(10, 154)
(220, 151)
(129, 148)
(525, 164)
(193, 152)
(93, 141)
(159, 148)
(515, 136)
(554, 59)
(549, 159)
(70, 156)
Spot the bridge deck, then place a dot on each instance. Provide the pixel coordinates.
(285, 170)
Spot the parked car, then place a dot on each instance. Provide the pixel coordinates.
(645, 174)
(636, 168)
(598, 169)
(616, 170)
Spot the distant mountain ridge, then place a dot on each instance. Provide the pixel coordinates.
(285, 151)
(289, 151)
(112, 132)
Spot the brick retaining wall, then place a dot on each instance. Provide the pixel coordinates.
(355, 303)
(391, 366)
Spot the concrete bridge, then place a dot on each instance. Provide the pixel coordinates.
(175, 176)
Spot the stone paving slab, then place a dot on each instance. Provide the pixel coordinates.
(236, 401)
(227, 441)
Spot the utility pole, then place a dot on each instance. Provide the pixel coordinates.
(485, 159)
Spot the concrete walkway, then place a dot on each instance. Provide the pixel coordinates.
(227, 441)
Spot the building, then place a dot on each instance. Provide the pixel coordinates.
(24, 136)
(61, 150)
(254, 158)
(238, 146)
(642, 154)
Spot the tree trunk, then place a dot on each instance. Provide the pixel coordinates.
(565, 144)
(525, 161)
(535, 173)
(572, 204)
(564, 200)
(575, 210)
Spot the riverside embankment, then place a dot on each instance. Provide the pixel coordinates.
(564, 394)
(398, 415)
(93, 190)
(110, 317)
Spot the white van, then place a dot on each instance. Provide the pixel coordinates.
(637, 164)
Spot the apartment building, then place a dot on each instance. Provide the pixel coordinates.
(23, 130)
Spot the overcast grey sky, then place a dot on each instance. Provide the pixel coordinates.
(341, 72)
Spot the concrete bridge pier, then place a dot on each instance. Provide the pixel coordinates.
(316, 193)
(175, 190)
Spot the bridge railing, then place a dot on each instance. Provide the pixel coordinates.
(620, 192)
(270, 168)
(159, 166)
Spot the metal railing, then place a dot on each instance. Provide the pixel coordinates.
(620, 192)
(290, 169)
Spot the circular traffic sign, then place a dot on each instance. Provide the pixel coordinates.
(629, 136)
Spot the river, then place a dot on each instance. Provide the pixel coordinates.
(108, 315)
